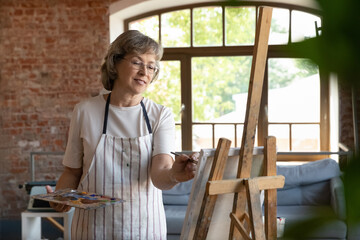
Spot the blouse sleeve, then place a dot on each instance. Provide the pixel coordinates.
(164, 134)
(74, 150)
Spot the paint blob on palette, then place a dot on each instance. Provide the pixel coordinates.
(79, 199)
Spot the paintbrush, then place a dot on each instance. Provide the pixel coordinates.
(189, 159)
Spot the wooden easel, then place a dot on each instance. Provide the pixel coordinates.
(246, 216)
(252, 217)
(251, 120)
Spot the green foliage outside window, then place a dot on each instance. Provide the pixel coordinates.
(148, 26)
(215, 80)
(207, 26)
(240, 25)
(283, 71)
(175, 29)
(166, 90)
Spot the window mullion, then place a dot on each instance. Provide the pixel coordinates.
(223, 25)
(290, 30)
(191, 27)
(159, 28)
(324, 111)
(186, 100)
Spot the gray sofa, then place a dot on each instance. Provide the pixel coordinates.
(175, 204)
(313, 190)
(309, 189)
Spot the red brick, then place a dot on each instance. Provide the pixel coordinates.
(41, 11)
(15, 132)
(18, 12)
(29, 12)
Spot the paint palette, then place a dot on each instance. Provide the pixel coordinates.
(78, 199)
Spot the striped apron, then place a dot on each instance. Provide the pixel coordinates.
(121, 168)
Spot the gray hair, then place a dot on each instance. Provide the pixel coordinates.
(129, 42)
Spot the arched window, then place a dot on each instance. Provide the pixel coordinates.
(206, 66)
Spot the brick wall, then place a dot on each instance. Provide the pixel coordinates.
(50, 55)
(346, 135)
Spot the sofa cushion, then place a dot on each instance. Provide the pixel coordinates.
(312, 194)
(169, 199)
(175, 216)
(309, 173)
(180, 188)
(335, 229)
(354, 231)
(179, 194)
(338, 202)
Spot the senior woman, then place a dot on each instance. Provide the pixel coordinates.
(119, 145)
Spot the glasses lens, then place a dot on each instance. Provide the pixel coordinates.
(138, 65)
(151, 69)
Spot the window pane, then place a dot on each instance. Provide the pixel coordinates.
(303, 25)
(178, 136)
(294, 91)
(166, 89)
(239, 25)
(225, 131)
(175, 29)
(219, 87)
(207, 26)
(306, 137)
(148, 26)
(239, 134)
(281, 132)
(279, 30)
(202, 137)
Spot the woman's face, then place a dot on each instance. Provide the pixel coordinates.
(135, 73)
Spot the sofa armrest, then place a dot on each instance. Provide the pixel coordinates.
(338, 197)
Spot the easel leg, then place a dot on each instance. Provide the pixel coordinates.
(208, 204)
(255, 212)
(270, 202)
(252, 109)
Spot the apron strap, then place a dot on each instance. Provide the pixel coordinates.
(106, 113)
(146, 117)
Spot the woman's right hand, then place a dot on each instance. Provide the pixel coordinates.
(58, 207)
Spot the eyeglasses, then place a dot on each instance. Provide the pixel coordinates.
(139, 65)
